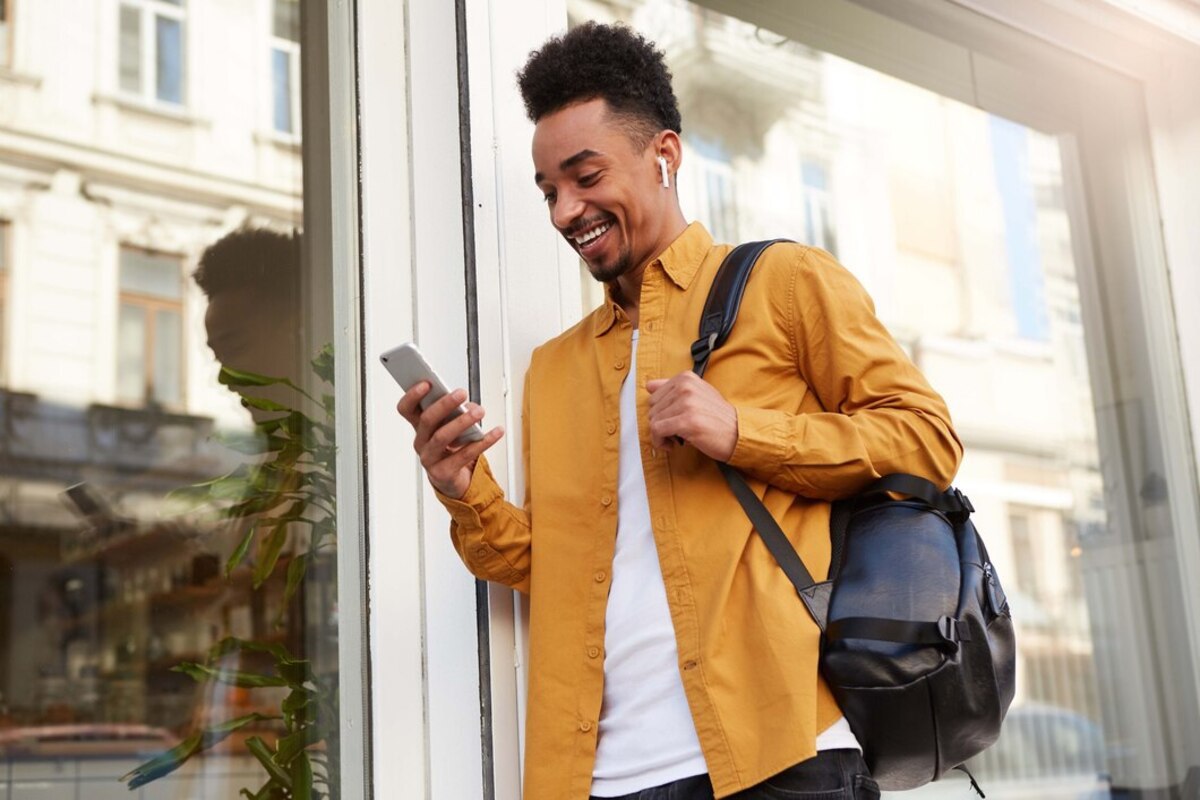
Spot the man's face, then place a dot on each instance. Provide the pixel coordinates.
(601, 188)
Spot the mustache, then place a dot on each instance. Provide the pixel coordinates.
(583, 225)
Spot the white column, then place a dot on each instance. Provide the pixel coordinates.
(528, 289)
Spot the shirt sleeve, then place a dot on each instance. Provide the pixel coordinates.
(879, 415)
(493, 537)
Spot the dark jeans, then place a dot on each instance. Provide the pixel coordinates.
(829, 775)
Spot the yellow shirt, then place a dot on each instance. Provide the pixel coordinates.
(826, 401)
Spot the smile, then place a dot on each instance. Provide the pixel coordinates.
(595, 233)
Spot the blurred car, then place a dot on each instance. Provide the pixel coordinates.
(85, 762)
(84, 740)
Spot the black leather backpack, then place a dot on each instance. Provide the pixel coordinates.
(917, 638)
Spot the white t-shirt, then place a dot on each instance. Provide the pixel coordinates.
(646, 734)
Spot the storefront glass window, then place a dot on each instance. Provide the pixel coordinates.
(168, 535)
(955, 221)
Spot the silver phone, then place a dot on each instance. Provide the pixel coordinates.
(406, 364)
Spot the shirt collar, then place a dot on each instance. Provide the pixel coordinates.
(680, 261)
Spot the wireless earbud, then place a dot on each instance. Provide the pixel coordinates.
(666, 178)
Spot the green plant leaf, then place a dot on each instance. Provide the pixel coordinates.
(322, 364)
(228, 376)
(295, 574)
(302, 777)
(251, 443)
(293, 743)
(239, 552)
(296, 673)
(173, 759)
(230, 677)
(263, 404)
(258, 748)
(268, 557)
(231, 644)
(255, 505)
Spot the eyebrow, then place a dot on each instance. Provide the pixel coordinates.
(567, 163)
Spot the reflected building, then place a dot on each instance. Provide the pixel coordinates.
(156, 128)
(957, 224)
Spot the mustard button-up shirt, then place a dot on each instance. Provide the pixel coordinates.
(826, 401)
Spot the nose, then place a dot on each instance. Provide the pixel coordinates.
(567, 208)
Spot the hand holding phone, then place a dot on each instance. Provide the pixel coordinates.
(449, 463)
(406, 364)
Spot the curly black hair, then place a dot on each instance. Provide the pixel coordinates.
(251, 259)
(607, 61)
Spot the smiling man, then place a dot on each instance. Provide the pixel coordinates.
(669, 655)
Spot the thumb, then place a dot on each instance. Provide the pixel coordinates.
(654, 385)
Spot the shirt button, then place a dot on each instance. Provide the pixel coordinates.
(481, 551)
(600, 576)
(593, 652)
(612, 427)
(585, 726)
(619, 364)
(606, 500)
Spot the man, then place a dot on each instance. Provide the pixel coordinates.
(251, 277)
(670, 657)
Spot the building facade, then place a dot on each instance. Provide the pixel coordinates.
(215, 215)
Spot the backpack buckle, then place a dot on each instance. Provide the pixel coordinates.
(953, 632)
(702, 349)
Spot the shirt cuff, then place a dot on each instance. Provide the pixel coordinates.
(762, 438)
(481, 492)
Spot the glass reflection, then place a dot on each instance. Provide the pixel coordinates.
(167, 559)
(955, 220)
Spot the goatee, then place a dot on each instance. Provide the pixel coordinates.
(613, 271)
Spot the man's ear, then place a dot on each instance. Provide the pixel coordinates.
(667, 145)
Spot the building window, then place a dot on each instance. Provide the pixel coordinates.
(285, 66)
(715, 190)
(151, 50)
(818, 207)
(150, 329)
(1019, 205)
(5, 32)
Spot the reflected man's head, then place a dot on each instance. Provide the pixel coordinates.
(605, 113)
(252, 280)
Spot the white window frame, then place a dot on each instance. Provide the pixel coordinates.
(292, 50)
(148, 10)
(426, 721)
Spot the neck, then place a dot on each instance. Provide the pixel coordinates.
(627, 289)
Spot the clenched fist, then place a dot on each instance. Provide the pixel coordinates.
(687, 407)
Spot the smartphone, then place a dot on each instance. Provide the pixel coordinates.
(409, 367)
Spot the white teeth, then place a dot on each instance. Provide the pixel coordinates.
(592, 234)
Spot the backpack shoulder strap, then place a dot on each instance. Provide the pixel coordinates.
(720, 311)
(724, 298)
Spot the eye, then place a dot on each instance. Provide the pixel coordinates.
(589, 179)
(549, 197)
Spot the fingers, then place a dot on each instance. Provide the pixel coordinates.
(685, 409)
(431, 418)
(410, 404)
(445, 437)
(451, 474)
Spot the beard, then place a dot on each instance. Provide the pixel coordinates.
(609, 273)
